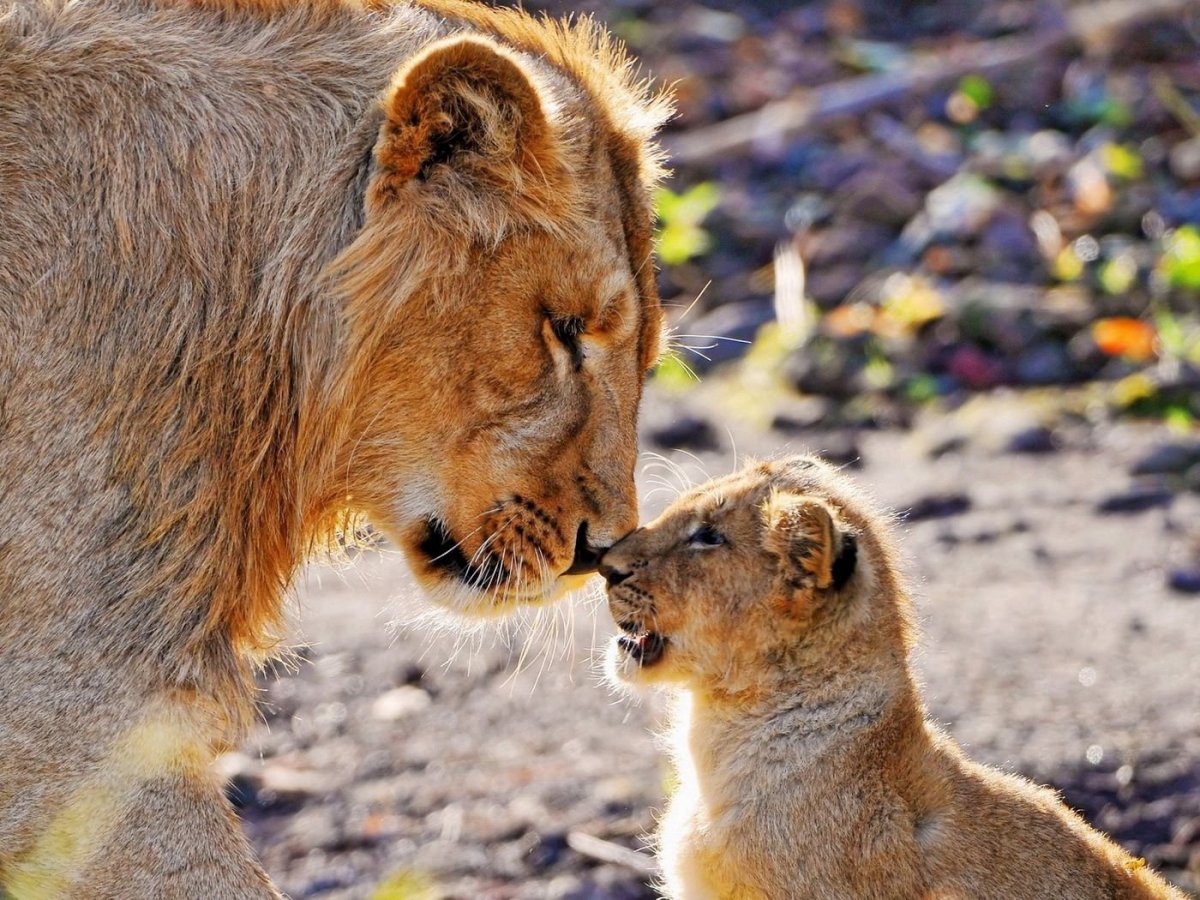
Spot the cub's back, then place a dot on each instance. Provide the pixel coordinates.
(1001, 833)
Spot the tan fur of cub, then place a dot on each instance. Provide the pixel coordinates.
(772, 602)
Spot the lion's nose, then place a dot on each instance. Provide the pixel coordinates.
(612, 574)
(587, 557)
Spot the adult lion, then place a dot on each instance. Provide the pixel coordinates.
(265, 266)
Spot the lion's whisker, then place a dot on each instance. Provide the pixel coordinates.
(713, 337)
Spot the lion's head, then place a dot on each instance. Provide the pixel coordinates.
(503, 314)
(741, 574)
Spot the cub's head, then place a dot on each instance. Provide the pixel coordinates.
(731, 581)
(502, 311)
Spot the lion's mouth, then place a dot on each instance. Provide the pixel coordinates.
(645, 647)
(444, 553)
(494, 585)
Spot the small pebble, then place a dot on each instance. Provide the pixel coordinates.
(947, 444)
(948, 538)
(686, 433)
(400, 702)
(1185, 581)
(1008, 237)
(1135, 500)
(1185, 159)
(1167, 459)
(840, 450)
(975, 368)
(1038, 439)
(802, 415)
(936, 506)
(724, 334)
(545, 850)
(1044, 363)
(241, 791)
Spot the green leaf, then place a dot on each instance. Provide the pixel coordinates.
(1111, 111)
(674, 374)
(978, 89)
(1067, 265)
(1118, 274)
(1179, 419)
(878, 372)
(1170, 333)
(689, 208)
(1181, 259)
(633, 31)
(677, 243)
(406, 885)
(1121, 161)
(921, 388)
(871, 56)
(680, 236)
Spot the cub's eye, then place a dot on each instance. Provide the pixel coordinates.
(706, 536)
(568, 329)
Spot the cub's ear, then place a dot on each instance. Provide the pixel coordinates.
(464, 112)
(813, 549)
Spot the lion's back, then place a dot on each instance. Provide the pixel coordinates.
(144, 146)
(123, 121)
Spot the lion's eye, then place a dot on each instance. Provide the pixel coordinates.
(568, 329)
(706, 536)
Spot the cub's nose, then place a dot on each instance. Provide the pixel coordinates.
(612, 574)
(587, 557)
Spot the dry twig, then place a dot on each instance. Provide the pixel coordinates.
(608, 852)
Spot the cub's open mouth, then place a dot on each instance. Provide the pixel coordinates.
(646, 647)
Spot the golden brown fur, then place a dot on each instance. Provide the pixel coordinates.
(771, 601)
(267, 268)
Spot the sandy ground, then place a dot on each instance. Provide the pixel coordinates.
(396, 759)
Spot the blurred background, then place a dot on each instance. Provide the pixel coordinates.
(953, 246)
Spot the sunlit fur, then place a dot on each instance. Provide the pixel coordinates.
(268, 269)
(807, 765)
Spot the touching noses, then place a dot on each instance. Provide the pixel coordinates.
(615, 564)
(612, 574)
(587, 557)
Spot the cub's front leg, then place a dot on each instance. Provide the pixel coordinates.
(696, 862)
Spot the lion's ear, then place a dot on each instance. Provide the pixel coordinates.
(814, 550)
(463, 112)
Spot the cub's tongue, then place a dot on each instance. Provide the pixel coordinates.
(646, 647)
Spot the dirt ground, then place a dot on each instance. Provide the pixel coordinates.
(402, 758)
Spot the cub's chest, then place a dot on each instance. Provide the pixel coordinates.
(707, 857)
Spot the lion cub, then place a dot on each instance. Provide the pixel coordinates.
(771, 599)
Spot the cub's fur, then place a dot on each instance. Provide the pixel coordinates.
(771, 601)
(265, 268)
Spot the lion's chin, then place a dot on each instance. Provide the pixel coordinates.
(457, 597)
